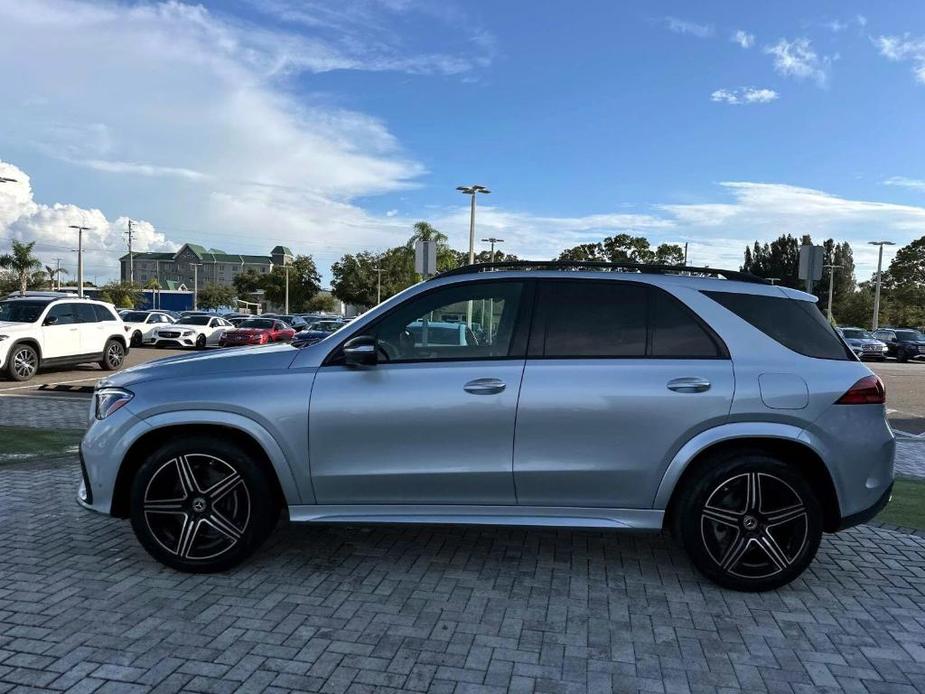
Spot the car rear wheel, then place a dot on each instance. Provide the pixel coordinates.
(749, 522)
(201, 505)
(113, 355)
(23, 362)
(136, 339)
(901, 355)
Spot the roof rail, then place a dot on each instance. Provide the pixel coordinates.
(33, 294)
(647, 268)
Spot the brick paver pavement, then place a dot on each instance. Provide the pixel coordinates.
(438, 609)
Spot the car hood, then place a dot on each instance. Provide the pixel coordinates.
(240, 360)
(247, 331)
(14, 327)
(862, 341)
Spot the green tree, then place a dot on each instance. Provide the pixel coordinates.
(22, 264)
(304, 283)
(54, 274)
(121, 295)
(248, 282)
(213, 296)
(355, 279)
(623, 248)
(908, 265)
(447, 258)
(323, 302)
(779, 259)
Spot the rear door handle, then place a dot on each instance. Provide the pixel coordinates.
(689, 385)
(485, 386)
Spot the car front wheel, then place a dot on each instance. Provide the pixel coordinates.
(113, 355)
(201, 505)
(22, 363)
(749, 522)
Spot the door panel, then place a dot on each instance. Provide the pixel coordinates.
(412, 433)
(601, 432)
(63, 338)
(93, 333)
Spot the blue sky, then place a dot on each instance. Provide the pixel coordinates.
(332, 127)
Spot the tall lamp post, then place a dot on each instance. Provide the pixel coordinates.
(80, 256)
(491, 301)
(472, 191)
(378, 271)
(875, 323)
(195, 267)
(492, 240)
(286, 309)
(831, 285)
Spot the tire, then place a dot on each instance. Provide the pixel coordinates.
(201, 342)
(136, 339)
(901, 356)
(201, 531)
(745, 545)
(23, 362)
(113, 355)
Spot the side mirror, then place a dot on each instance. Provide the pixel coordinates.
(51, 320)
(361, 351)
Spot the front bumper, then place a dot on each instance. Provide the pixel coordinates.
(175, 342)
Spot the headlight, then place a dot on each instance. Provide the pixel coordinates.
(3, 337)
(108, 400)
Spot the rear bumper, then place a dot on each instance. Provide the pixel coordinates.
(867, 513)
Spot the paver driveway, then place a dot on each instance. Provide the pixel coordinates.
(437, 609)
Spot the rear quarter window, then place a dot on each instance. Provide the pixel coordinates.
(797, 325)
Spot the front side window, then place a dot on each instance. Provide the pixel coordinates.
(460, 322)
(797, 325)
(63, 314)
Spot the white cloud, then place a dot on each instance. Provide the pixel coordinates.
(904, 48)
(744, 95)
(835, 25)
(24, 219)
(861, 20)
(902, 181)
(682, 26)
(391, 213)
(798, 59)
(743, 38)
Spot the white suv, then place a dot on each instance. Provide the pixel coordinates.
(50, 329)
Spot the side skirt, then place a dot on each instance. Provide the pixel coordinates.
(619, 518)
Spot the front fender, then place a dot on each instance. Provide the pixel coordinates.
(727, 432)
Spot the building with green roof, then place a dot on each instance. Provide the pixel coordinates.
(194, 263)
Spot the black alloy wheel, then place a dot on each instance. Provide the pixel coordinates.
(113, 355)
(750, 523)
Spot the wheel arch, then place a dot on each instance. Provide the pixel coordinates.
(120, 338)
(782, 444)
(32, 342)
(277, 471)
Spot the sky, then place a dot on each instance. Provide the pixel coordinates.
(331, 127)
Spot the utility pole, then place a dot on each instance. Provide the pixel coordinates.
(831, 285)
(378, 285)
(131, 264)
(286, 310)
(472, 191)
(195, 267)
(492, 240)
(685, 252)
(80, 256)
(58, 274)
(875, 323)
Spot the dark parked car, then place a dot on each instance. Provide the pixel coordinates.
(316, 332)
(902, 343)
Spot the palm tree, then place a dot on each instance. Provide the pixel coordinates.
(21, 263)
(425, 232)
(54, 274)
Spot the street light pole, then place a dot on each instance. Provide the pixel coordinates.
(195, 267)
(80, 256)
(492, 240)
(473, 191)
(875, 323)
(378, 285)
(131, 265)
(831, 285)
(286, 310)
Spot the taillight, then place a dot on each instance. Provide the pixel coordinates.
(868, 391)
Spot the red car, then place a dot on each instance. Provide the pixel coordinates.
(257, 331)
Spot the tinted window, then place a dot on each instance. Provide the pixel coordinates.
(594, 319)
(195, 320)
(63, 313)
(797, 325)
(135, 317)
(482, 315)
(676, 332)
(104, 313)
(909, 335)
(21, 311)
(262, 323)
(856, 334)
(85, 313)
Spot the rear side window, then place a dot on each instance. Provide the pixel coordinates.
(677, 333)
(85, 313)
(594, 319)
(103, 313)
(797, 325)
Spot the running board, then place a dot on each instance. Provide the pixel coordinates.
(566, 517)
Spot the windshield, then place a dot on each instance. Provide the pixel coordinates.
(135, 317)
(325, 326)
(909, 335)
(21, 311)
(261, 323)
(196, 320)
(857, 335)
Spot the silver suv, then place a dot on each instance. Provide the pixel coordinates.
(723, 409)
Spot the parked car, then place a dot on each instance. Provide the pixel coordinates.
(43, 330)
(902, 343)
(141, 324)
(316, 332)
(863, 344)
(257, 331)
(194, 330)
(726, 410)
(439, 333)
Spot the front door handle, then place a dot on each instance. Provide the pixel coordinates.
(485, 386)
(689, 385)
